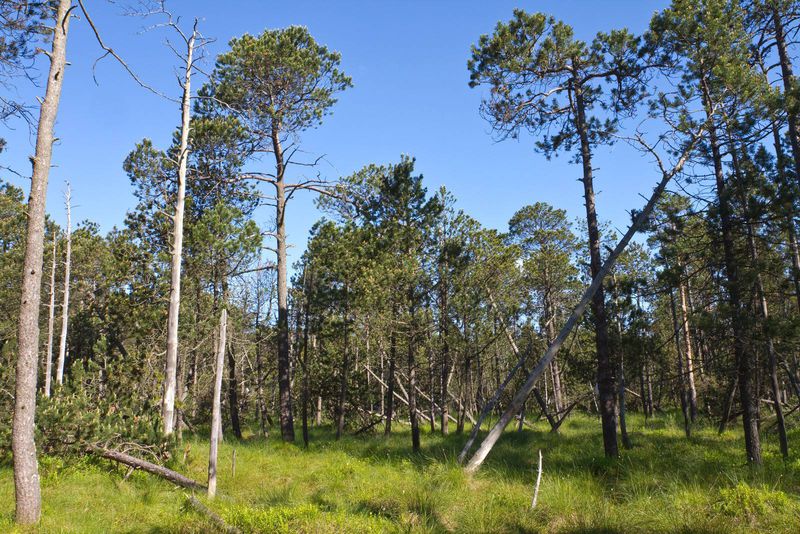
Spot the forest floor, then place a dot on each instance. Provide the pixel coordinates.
(665, 483)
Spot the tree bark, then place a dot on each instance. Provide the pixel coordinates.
(26, 468)
(171, 365)
(605, 371)
(284, 364)
(216, 415)
(62, 344)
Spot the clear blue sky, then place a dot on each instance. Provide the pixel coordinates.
(410, 96)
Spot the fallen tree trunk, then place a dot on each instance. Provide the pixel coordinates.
(402, 399)
(519, 399)
(215, 518)
(131, 461)
(427, 398)
(565, 413)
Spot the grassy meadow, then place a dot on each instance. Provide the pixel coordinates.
(665, 483)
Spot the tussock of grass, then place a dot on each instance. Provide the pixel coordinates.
(666, 483)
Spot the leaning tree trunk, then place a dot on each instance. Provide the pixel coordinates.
(26, 468)
(48, 366)
(490, 404)
(216, 412)
(62, 344)
(520, 397)
(171, 366)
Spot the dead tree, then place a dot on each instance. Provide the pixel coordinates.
(48, 366)
(62, 345)
(190, 42)
(216, 414)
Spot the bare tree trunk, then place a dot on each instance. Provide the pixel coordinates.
(344, 372)
(687, 338)
(383, 388)
(519, 399)
(62, 345)
(284, 370)
(216, 412)
(306, 307)
(687, 418)
(171, 366)
(48, 367)
(26, 468)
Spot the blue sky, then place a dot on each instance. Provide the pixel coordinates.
(410, 96)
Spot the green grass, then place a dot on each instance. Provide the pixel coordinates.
(666, 483)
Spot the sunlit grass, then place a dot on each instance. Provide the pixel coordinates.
(666, 483)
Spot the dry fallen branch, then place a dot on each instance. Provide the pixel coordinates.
(538, 481)
(131, 461)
